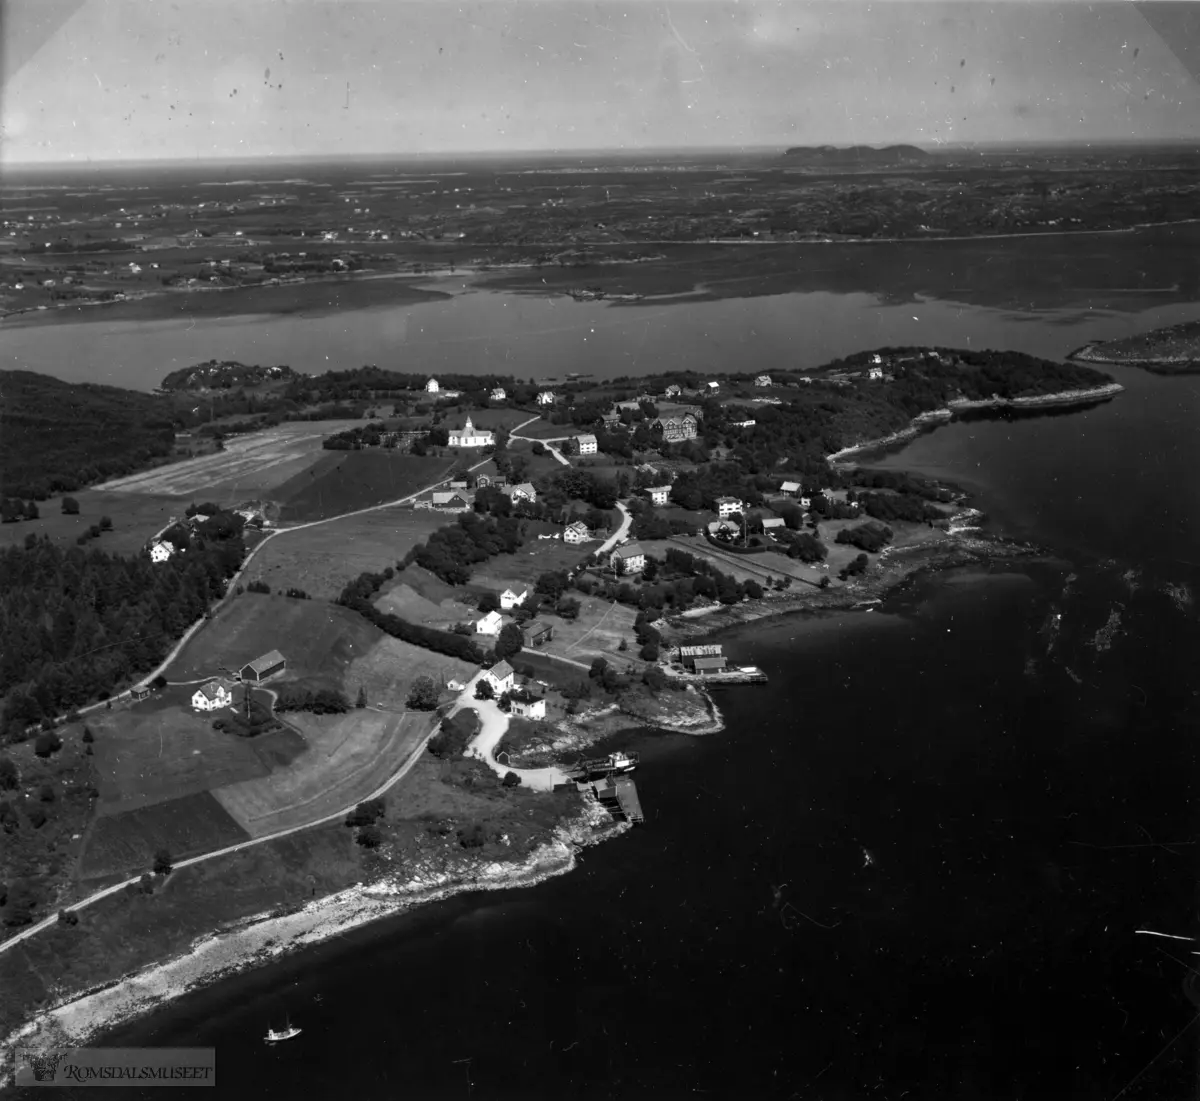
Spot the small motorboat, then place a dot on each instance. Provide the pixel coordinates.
(274, 1036)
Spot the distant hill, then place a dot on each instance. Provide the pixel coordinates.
(852, 156)
(59, 436)
(224, 376)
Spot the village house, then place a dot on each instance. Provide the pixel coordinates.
(576, 532)
(805, 501)
(522, 492)
(501, 677)
(659, 495)
(743, 424)
(546, 397)
(161, 551)
(763, 380)
(262, 668)
(628, 560)
(499, 394)
(875, 359)
(527, 705)
(611, 420)
(712, 387)
(509, 599)
(497, 481)
(723, 528)
(535, 632)
(790, 489)
(431, 387)
(874, 372)
(470, 436)
(459, 484)
(774, 523)
(213, 696)
(451, 500)
(672, 391)
(490, 624)
(727, 506)
(587, 445)
(681, 427)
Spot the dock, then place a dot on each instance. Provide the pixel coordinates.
(744, 674)
(619, 796)
(593, 767)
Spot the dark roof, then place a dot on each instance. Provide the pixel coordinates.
(267, 661)
(630, 550)
(534, 627)
(710, 663)
(501, 670)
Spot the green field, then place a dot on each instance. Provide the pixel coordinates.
(403, 600)
(526, 565)
(388, 669)
(342, 481)
(501, 417)
(597, 632)
(544, 430)
(322, 559)
(135, 516)
(538, 465)
(318, 639)
(124, 844)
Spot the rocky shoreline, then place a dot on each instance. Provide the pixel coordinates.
(83, 1016)
(924, 421)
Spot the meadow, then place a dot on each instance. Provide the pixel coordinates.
(342, 481)
(135, 517)
(529, 563)
(322, 559)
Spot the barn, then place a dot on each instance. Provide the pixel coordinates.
(260, 669)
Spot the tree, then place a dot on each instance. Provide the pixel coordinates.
(568, 608)
(489, 602)
(423, 695)
(623, 645)
(654, 678)
(484, 690)
(539, 448)
(366, 813)
(31, 510)
(162, 862)
(511, 780)
(70, 506)
(649, 652)
(361, 700)
(599, 666)
(10, 777)
(47, 744)
(510, 641)
(369, 837)
(68, 917)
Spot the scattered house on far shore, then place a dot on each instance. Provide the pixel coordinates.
(527, 705)
(213, 696)
(536, 632)
(576, 533)
(712, 387)
(260, 669)
(672, 391)
(490, 624)
(628, 560)
(499, 394)
(161, 551)
(875, 359)
(874, 372)
(431, 387)
(501, 677)
(790, 489)
(587, 445)
(727, 506)
(763, 380)
(659, 495)
(509, 599)
(546, 397)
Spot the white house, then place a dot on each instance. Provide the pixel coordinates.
(790, 489)
(528, 706)
(875, 372)
(806, 501)
(546, 397)
(521, 492)
(431, 387)
(672, 391)
(470, 436)
(763, 380)
(876, 360)
(501, 677)
(576, 532)
(451, 499)
(490, 624)
(659, 495)
(587, 445)
(727, 506)
(631, 557)
(712, 387)
(212, 696)
(509, 600)
(499, 394)
(744, 424)
(161, 551)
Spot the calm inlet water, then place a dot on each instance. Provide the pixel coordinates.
(914, 864)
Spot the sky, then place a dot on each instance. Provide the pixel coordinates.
(215, 79)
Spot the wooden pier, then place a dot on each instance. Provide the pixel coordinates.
(746, 674)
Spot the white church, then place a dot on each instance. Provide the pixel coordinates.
(470, 436)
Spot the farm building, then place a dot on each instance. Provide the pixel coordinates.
(659, 495)
(140, 692)
(631, 559)
(526, 705)
(775, 523)
(509, 599)
(576, 532)
(490, 624)
(587, 445)
(451, 500)
(262, 668)
(501, 677)
(709, 658)
(790, 489)
(535, 633)
(213, 696)
(161, 551)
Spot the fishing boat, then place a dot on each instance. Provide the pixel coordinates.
(273, 1036)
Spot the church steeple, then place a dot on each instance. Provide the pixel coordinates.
(469, 428)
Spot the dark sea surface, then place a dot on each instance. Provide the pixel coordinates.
(913, 865)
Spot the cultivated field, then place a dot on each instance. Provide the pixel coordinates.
(532, 560)
(320, 560)
(403, 600)
(538, 465)
(348, 757)
(135, 516)
(318, 639)
(596, 633)
(250, 466)
(125, 843)
(388, 669)
(496, 418)
(544, 430)
(342, 481)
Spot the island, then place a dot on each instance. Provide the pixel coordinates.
(1172, 350)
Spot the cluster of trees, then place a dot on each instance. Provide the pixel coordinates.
(358, 596)
(58, 436)
(320, 701)
(364, 818)
(423, 694)
(452, 551)
(372, 434)
(802, 545)
(258, 720)
(13, 509)
(871, 536)
(454, 735)
(852, 569)
(897, 506)
(225, 374)
(77, 623)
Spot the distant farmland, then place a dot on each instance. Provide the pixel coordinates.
(342, 481)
